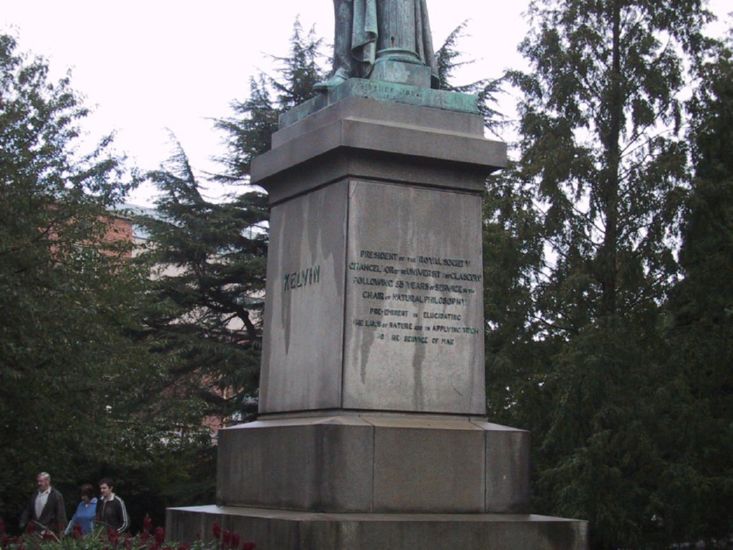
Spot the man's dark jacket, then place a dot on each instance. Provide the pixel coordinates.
(53, 515)
(112, 514)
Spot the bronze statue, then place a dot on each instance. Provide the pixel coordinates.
(372, 31)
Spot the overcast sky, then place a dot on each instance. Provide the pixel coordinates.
(146, 66)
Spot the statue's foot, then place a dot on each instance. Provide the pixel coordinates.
(339, 77)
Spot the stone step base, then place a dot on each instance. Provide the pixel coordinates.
(286, 530)
(369, 463)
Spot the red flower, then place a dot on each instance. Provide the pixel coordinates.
(249, 546)
(128, 542)
(30, 528)
(216, 530)
(144, 536)
(76, 532)
(113, 536)
(227, 539)
(147, 523)
(184, 547)
(159, 535)
(48, 535)
(235, 540)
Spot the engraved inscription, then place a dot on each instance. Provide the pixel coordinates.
(415, 300)
(302, 278)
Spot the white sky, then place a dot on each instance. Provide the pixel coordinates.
(146, 66)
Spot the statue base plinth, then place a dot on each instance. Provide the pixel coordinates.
(398, 71)
(362, 463)
(388, 92)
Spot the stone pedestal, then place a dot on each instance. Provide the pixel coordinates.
(372, 430)
(375, 463)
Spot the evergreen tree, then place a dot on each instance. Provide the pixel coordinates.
(449, 59)
(211, 255)
(513, 258)
(248, 130)
(208, 260)
(595, 200)
(698, 489)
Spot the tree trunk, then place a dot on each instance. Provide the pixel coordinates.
(610, 185)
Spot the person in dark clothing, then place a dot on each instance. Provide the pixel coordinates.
(111, 511)
(46, 508)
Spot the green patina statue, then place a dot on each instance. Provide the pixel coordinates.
(383, 40)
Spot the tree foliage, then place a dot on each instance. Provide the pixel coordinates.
(208, 262)
(581, 252)
(67, 293)
(248, 129)
(78, 383)
(698, 489)
(449, 60)
(203, 313)
(211, 290)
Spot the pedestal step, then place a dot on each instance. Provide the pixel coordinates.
(284, 530)
(375, 463)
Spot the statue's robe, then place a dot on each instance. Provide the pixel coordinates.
(365, 40)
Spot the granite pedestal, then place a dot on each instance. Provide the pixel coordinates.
(372, 430)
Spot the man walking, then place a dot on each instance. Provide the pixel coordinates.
(46, 509)
(111, 511)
